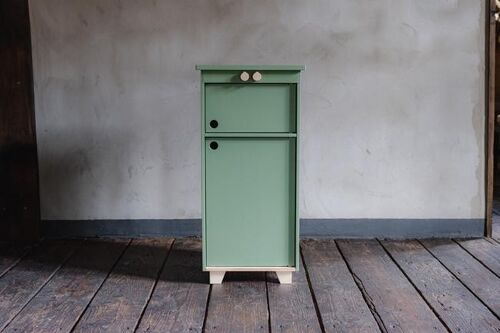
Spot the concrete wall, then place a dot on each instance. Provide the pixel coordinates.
(393, 102)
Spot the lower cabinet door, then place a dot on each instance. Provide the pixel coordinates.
(250, 202)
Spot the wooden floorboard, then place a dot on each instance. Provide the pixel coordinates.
(480, 280)
(396, 302)
(23, 281)
(239, 304)
(10, 255)
(119, 303)
(61, 302)
(339, 300)
(158, 286)
(179, 300)
(291, 306)
(454, 303)
(486, 250)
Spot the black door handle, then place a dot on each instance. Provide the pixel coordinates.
(214, 145)
(214, 123)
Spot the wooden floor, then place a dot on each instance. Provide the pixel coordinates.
(156, 285)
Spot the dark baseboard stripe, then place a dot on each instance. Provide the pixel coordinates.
(331, 228)
(392, 228)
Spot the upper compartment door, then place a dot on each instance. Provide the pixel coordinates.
(250, 108)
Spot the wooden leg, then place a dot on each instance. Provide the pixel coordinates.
(217, 277)
(284, 277)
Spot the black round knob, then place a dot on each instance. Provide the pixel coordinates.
(214, 123)
(214, 145)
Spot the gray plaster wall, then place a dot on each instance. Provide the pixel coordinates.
(392, 102)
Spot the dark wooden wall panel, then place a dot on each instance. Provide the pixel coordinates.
(19, 197)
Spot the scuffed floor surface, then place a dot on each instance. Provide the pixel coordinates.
(156, 285)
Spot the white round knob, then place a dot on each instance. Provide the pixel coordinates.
(257, 76)
(244, 76)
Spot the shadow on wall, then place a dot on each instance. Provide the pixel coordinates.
(89, 174)
(71, 170)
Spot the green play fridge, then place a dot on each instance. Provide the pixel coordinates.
(250, 149)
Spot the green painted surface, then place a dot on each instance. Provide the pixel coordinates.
(297, 172)
(203, 215)
(250, 107)
(250, 135)
(267, 77)
(250, 202)
(249, 183)
(250, 67)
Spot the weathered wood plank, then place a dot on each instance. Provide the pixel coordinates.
(339, 300)
(457, 306)
(485, 250)
(119, 303)
(10, 255)
(396, 302)
(23, 281)
(60, 303)
(239, 304)
(291, 306)
(481, 281)
(179, 300)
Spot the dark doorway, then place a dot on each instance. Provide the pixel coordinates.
(19, 201)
